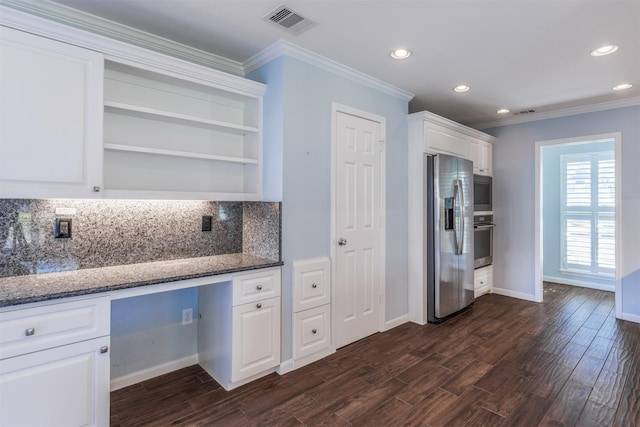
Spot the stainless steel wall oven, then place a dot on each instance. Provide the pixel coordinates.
(483, 240)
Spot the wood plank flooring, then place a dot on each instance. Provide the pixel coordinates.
(506, 362)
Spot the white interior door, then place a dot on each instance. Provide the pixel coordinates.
(358, 227)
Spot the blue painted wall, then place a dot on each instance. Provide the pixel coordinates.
(552, 186)
(514, 198)
(303, 133)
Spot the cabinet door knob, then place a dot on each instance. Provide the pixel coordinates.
(30, 331)
(259, 305)
(104, 349)
(315, 285)
(314, 331)
(259, 287)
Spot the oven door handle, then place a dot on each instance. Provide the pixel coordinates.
(484, 227)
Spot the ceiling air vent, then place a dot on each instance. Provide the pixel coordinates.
(289, 19)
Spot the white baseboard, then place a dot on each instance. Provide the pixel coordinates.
(515, 294)
(293, 364)
(154, 371)
(390, 324)
(581, 283)
(285, 367)
(630, 317)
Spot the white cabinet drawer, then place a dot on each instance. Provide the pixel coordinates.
(256, 286)
(483, 280)
(312, 330)
(311, 283)
(27, 330)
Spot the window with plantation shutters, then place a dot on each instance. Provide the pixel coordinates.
(588, 213)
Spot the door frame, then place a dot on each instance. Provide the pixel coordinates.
(335, 109)
(538, 231)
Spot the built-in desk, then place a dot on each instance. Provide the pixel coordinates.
(55, 331)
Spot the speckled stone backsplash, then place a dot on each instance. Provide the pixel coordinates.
(115, 232)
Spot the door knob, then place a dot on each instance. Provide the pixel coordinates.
(342, 241)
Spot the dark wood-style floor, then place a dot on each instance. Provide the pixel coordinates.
(505, 362)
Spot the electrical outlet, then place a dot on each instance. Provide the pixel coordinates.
(206, 222)
(62, 228)
(187, 316)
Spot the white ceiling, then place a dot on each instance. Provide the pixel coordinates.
(514, 54)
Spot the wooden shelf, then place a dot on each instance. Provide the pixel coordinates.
(174, 153)
(177, 118)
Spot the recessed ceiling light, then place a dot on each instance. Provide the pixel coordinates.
(604, 50)
(461, 88)
(622, 86)
(401, 53)
(503, 111)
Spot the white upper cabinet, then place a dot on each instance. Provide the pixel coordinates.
(439, 139)
(50, 118)
(170, 137)
(482, 157)
(122, 122)
(432, 134)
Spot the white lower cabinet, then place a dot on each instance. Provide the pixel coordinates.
(312, 311)
(256, 343)
(483, 280)
(312, 330)
(55, 364)
(64, 386)
(239, 328)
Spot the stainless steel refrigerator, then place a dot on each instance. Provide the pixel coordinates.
(449, 226)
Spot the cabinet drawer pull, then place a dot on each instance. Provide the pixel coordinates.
(30, 331)
(104, 349)
(259, 287)
(96, 189)
(315, 285)
(259, 305)
(314, 331)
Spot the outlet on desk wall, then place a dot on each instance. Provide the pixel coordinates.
(187, 316)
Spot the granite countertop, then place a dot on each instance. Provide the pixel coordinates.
(25, 289)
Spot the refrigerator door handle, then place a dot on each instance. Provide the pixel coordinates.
(459, 200)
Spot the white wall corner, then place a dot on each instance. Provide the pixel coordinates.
(516, 294)
(631, 317)
(400, 320)
(283, 47)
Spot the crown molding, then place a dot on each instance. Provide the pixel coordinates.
(126, 53)
(283, 47)
(572, 111)
(93, 24)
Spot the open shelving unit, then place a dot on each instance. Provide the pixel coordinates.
(174, 137)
